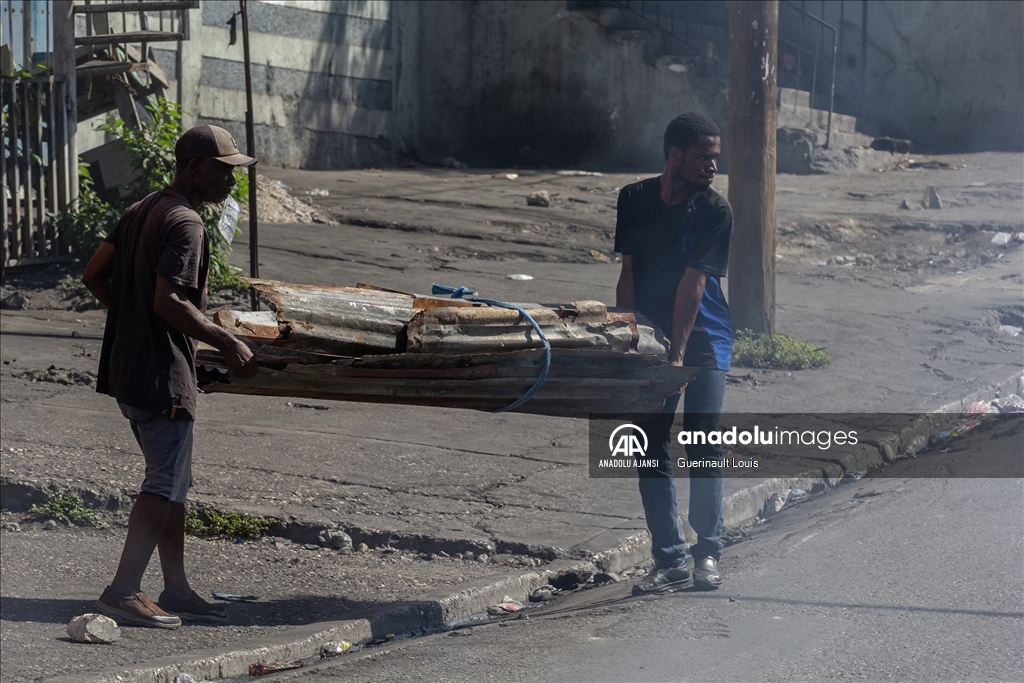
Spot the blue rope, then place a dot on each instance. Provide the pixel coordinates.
(462, 293)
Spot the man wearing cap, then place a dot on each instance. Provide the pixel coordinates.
(151, 274)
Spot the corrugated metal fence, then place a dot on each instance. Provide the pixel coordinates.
(34, 171)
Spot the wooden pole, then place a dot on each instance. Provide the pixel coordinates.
(250, 149)
(64, 69)
(753, 52)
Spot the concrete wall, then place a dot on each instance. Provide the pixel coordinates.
(322, 78)
(513, 81)
(947, 75)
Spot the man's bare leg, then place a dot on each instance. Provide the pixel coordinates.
(172, 552)
(147, 524)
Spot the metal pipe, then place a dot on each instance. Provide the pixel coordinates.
(250, 149)
(831, 95)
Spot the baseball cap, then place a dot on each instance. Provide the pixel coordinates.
(210, 142)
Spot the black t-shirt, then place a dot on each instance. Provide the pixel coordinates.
(663, 242)
(145, 362)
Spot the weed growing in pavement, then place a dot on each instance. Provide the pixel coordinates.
(64, 507)
(212, 523)
(151, 151)
(778, 351)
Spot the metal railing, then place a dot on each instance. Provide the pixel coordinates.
(686, 23)
(788, 9)
(34, 168)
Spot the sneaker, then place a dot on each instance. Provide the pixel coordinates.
(706, 576)
(192, 608)
(135, 609)
(662, 580)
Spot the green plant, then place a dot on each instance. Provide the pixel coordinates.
(151, 151)
(209, 522)
(778, 351)
(64, 507)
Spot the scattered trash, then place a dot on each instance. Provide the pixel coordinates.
(519, 276)
(797, 495)
(184, 678)
(539, 198)
(50, 525)
(15, 301)
(505, 176)
(1001, 238)
(542, 595)
(965, 426)
(774, 503)
(93, 628)
(1010, 330)
(482, 558)
(506, 606)
(1010, 404)
(317, 192)
(978, 408)
(336, 539)
(931, 164)
(10, 526)
(905, 205)
(600, 256)
(468, 555)
(67, 377)
(452, 162)
(839, 260)
(231, 597)
(819, 263)
(939, 437)
(261, 669)
(239, 541)
(333, 648)
(916, 445)
(931, 197)
(778, 257)
(228, 220)
(278, 183)
(853, 476)
(311, 546)
(578, 173)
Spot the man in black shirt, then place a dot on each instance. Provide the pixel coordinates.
(151, 274)
(673, 232)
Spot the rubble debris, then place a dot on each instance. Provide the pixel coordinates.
(262, 669)
(505, 176)
(231, 597)
(519, 276)
(93, 628)
(931, 198)
(50, 525)
(542, 595)
(1009, 404)
(606, 577)
(65, 376)
(578, 173)
(774, 503)
(15, 301)
(539, 198)
(336, 539)
(917, 444)
(184, 678)
(277, 205)
(905, 205)
(333, 648)
(1011, 330)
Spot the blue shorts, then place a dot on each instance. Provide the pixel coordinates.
(167, 447)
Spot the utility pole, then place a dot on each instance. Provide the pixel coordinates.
(250, 149)
(64, 69)
(753, 52)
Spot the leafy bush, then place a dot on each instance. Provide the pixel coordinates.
(151, 150)
(212, 523)
(64, 507)
(778, 351)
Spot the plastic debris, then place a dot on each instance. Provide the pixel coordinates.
(228, 220)
(539, 198)
(333, 648)
(939, 437)
(600, 256)
(231, 597)
(819, 263)
(336, 539)
(1010, 330)
(797, 495)
(978, 408)
(1009, 404)
(184, 678)
(578, 173)
(505, 176)
(1001, 238)
(519, 276)
(853, 476)
(916, 445)
(317, 192)
(542, 595)
(93, 628)
(506, 606)
(261, 669)
(239, 541)
(965, 426)
(774, 503)
(278, 183)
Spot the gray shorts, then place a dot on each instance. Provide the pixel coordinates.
(167, 447)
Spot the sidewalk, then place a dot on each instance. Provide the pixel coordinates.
(417, 483)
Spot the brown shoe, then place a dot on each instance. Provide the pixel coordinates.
(135, 609)
(192, 608)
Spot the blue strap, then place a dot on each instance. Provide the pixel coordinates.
(462, 292)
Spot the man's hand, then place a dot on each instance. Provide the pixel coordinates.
(96, 277)
(240, 360)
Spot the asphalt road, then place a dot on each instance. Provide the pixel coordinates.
(884, 579)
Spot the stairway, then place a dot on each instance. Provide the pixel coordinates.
(111, 72)
(697, 34)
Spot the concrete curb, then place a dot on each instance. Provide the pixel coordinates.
(439, 609)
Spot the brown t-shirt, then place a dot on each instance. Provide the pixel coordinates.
(145, 362)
